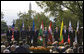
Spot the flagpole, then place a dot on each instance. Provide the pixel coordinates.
(76, 31)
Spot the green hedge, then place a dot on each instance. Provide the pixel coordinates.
(3, 38)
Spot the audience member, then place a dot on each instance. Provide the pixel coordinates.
(21, 49)
(6, 51)
(3, 47)
(69, 50)
(13, 48)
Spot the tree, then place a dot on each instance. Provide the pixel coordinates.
(56, 7)
(24, 17)
(2, 15)
(38, 17)
(4, 26)
(68, 16)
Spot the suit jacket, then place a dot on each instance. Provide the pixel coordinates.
(65, 35)
(29, 34)
(57, 35)
(72, 36)
(9, 34)
(23, 34)
(45, 33)
(16, 34)
(32, 35)
(36, 34)
(79, 37)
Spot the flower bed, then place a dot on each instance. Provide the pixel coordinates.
(39, 49)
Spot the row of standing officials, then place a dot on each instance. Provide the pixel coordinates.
(29, 35)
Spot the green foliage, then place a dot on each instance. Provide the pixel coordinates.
(2, 15)
(3, 27)
(3, 38)
(74, 13)
(67, 16)
(38, 17)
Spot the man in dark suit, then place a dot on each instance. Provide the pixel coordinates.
(29, 34)
(9, 35)
(65, 34)
(69, 29)
(79, 37)
(16, 35)
(23, 34)
(45, 32)
(32, 36)
(72, 36)
(56, 34)
(35, 37)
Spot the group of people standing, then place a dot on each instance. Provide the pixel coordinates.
(69, 33)
(30, 35)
